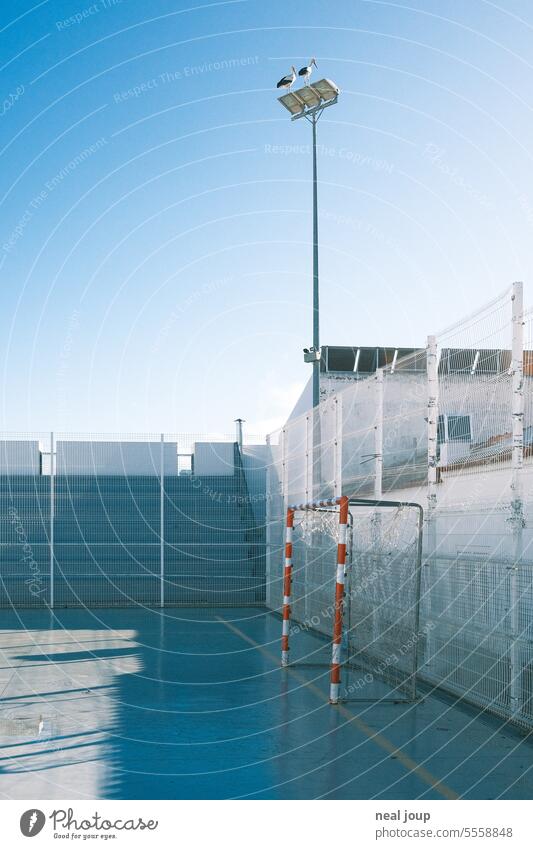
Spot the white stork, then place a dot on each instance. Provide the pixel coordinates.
(308, 70)
(287, 81)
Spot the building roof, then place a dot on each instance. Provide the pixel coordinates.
(366, 360)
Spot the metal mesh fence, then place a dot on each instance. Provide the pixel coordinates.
(136, 519)
(478, 610)
(475, 386)
(528, 383)
(403, 441)
(25, 529)
(360, 408)
(449, 427)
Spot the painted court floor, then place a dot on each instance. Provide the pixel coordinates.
(136, 704)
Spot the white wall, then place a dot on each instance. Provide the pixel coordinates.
(19, 457)
(214, 458)
(115, 458)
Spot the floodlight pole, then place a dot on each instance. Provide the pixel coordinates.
(324, 93)
(316, 306)
(312, 115)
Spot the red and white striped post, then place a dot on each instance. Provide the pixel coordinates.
(335, 678)
(287, 580)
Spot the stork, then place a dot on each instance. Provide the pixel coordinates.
(287, 81)
(308, 70)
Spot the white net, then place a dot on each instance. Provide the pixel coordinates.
(324, 522)
(315, 538)
(382, 600)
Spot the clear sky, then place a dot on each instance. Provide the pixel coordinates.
(155, 198)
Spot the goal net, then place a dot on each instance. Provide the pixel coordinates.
(352, 595)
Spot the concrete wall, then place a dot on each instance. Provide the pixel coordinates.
(115, 458)
(214, 458)
(20, 457)
(255, 460)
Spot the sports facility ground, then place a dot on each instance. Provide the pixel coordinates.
(192, 703)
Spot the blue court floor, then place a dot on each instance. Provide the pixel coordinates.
(136, 704)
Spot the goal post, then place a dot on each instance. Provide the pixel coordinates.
(357, 585)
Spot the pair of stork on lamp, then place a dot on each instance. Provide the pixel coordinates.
(287, 81)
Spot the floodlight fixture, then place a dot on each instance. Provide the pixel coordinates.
(327, 89)
(310, 99)
(292, 102)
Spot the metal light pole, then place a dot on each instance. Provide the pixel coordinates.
(316, 304)
(309, 102)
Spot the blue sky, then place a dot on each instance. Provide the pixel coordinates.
(155, 230)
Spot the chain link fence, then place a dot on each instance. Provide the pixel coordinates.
(132, 519)
(449, 427)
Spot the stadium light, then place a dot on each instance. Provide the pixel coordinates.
(309, 102)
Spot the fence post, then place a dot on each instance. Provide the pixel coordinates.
(307, 499)
(284, 471)
(432, 417)
(308, 464)
(268, 519)
(517, 511)
(52, 497)
(378, 437)
(284, 477)
(162, 523)
(337, 483)
(378, 474)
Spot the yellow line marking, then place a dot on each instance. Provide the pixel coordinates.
(376, 736)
